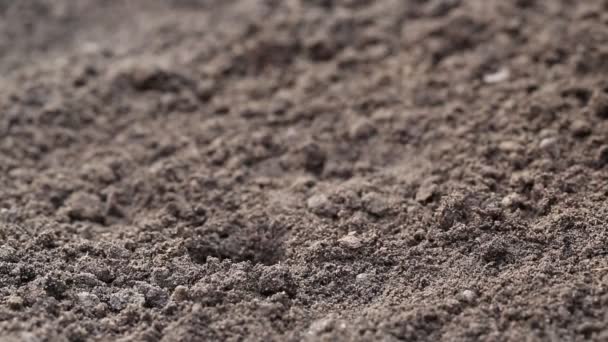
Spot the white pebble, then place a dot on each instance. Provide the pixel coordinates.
(497, 77)
(468, 295)
(362, 276)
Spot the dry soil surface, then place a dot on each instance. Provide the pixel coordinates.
(294, 170)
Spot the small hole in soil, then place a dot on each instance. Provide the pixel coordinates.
(257, 244)
(580, 94)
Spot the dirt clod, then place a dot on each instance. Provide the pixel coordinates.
(602, 155)
(362, 129)
(321, 205)
(84, 206)
(14, 302)
(580, 128)
(600, 106)
(512, 200)
(350, 241)
(375, 204)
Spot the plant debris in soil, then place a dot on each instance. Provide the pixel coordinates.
(303, 170)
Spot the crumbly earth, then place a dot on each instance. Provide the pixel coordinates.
(303, 170)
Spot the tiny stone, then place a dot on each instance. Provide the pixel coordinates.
(90, 48)
(497, 77)
(7, 253)
(87, 299)
(98, 172)
(547, 142)
(602, 155)
(100, 309)
(88, 279)
(84, 206)
(154, 296)
(512, 200)
(509, 146)
(468, 296)
(118, 301)
(321, 205)
(600, 106)
(419, 235)
(426, 192)
(383, 115)
(322, 325)
(374, 204)
(14, 302)
(362, 276)
(580, 128)
(362, 129)
(350, 241)
(547, 133)
(313, 157)
(252, 110)
(303, 183)
(205, 90)
(117, 252)
(491, 172)
(180, 294)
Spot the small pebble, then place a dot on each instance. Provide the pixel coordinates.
(510, 146)
(321, 205)
(547, 142)
(87, 299)
(100, 309)
(331, 322)
(90, 48)
(602, 155)
(419, 235)
(312, 157)
(547, 133)
(14, 302)
(599, 106)
(180, 294)
(426, 192)
(580, 128)
(362, 129)
(511, 200)
(118, 301)
(320, 326)
(468, 296)
(84, 206)
(497, 77)
(375, 204)
(205, 89)
(86, 278)
(491, 172)
(7, 253)
(350, 241)
(362, 277)
(383, 114)
(303, 183)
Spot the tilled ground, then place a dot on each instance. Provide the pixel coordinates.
(349, 170)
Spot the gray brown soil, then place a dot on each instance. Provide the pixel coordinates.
(303, 170)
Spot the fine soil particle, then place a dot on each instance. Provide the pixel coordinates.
(313, 170)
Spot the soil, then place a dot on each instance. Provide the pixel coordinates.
(303, 170)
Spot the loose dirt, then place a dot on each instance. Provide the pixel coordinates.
(349, 170)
